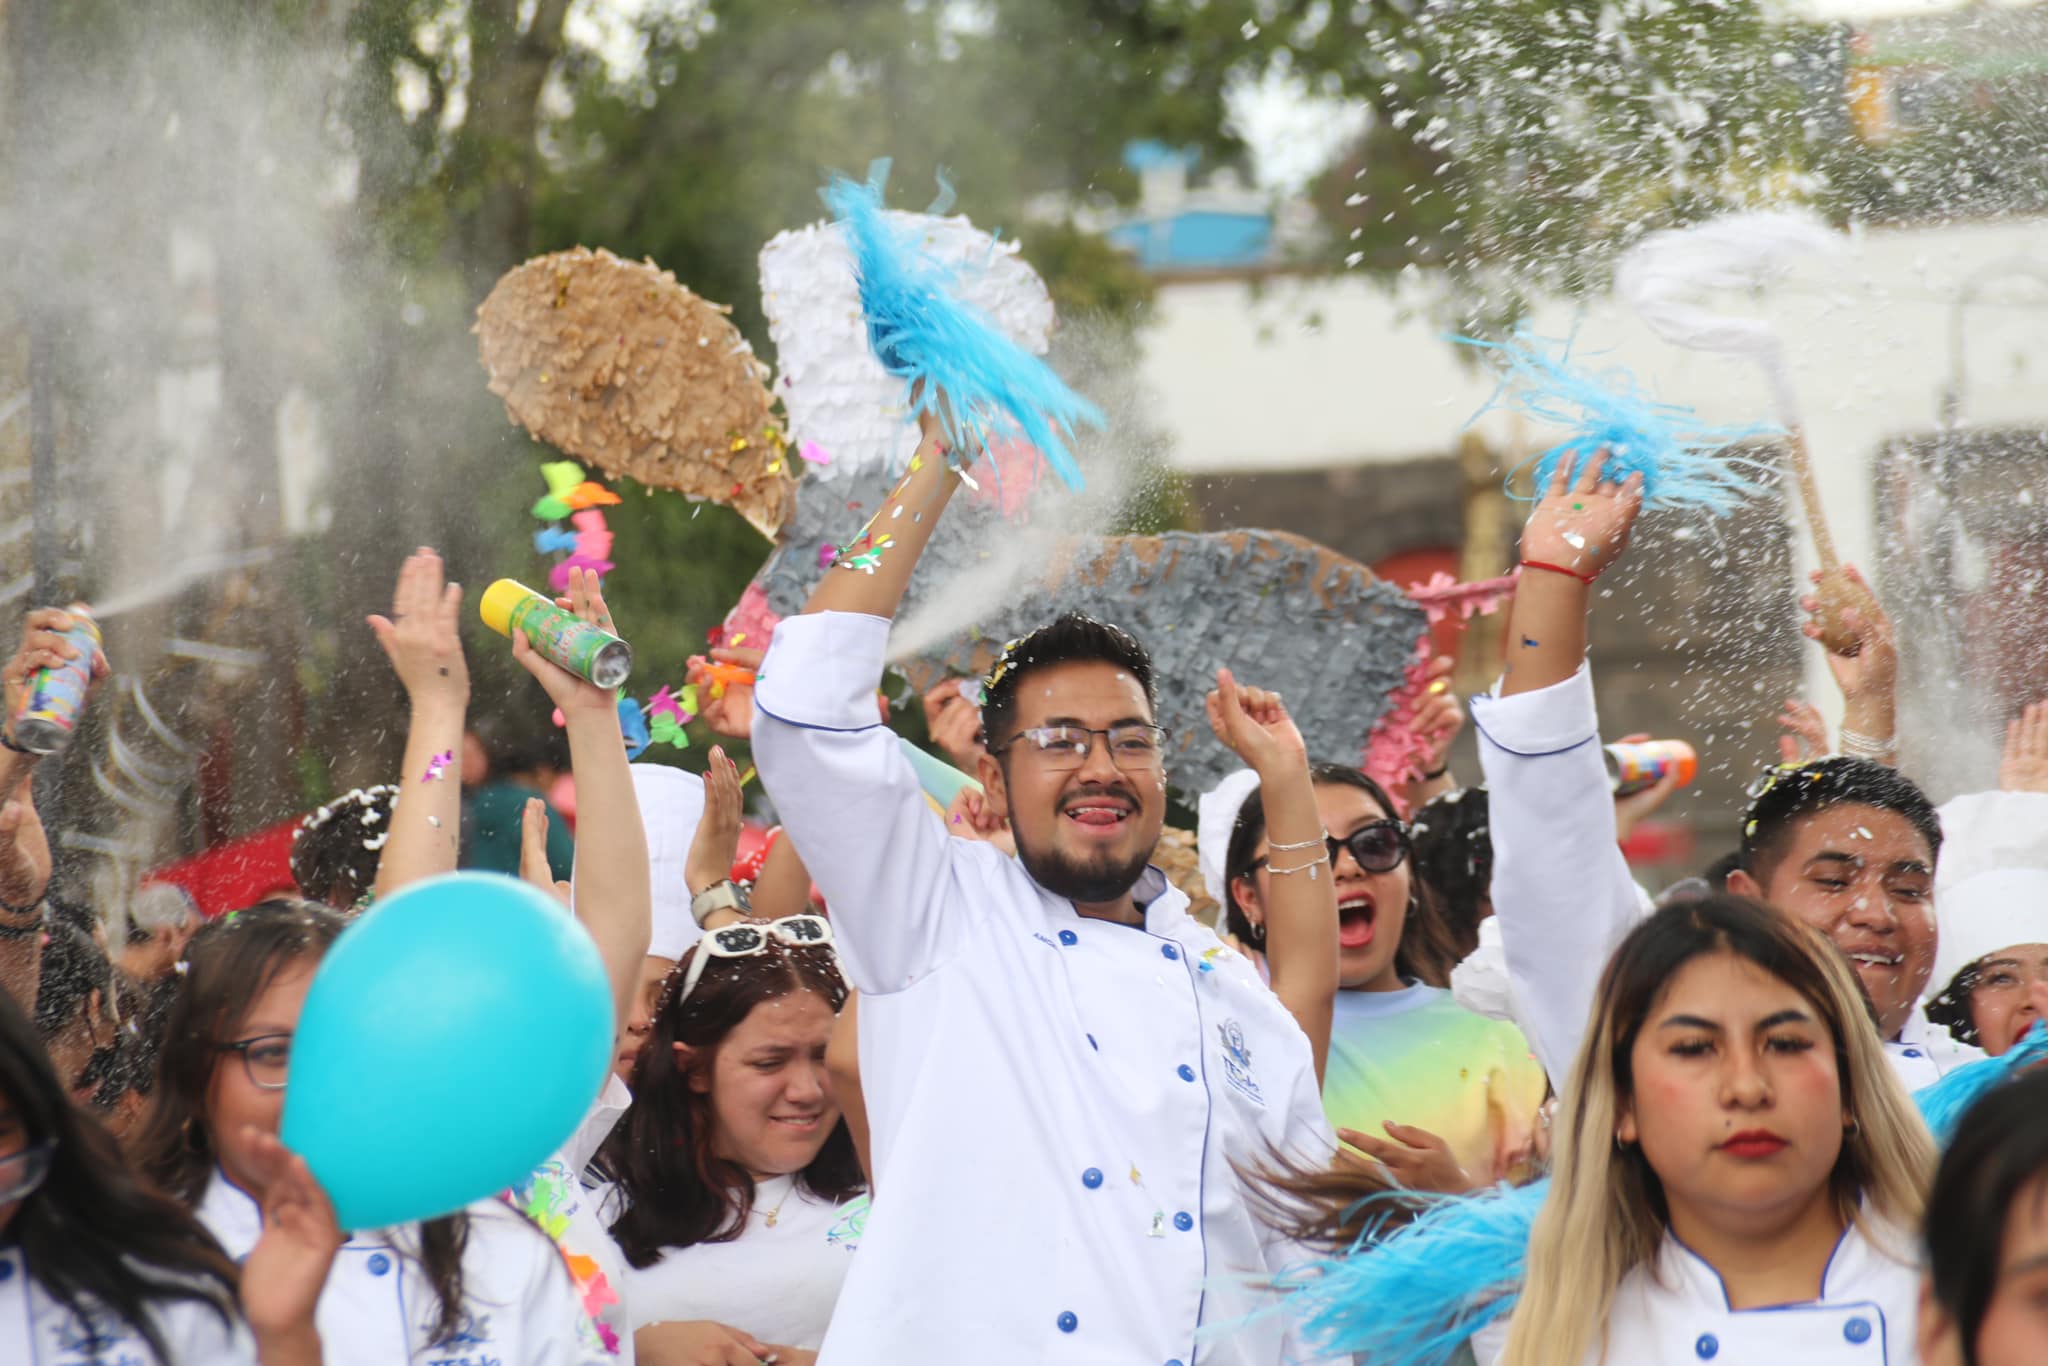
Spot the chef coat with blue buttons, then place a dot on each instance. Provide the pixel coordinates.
(1678, 1315)
(378, 1308)
(1055, 1102)
(36, 1329)
(1562, 891)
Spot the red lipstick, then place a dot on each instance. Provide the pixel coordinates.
(1753, 1144)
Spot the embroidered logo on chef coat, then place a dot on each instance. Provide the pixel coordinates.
(473, 1331)
(94, 1334)
(1237, 1062)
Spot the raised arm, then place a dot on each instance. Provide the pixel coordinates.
(422, 639)
(24, 848)
(1301, 913)
(614, 895)
(1866, 670)
(1561, 889)
(847, 796)
(874, 586)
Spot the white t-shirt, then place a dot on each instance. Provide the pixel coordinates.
(777, 1281)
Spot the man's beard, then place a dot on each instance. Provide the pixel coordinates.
(1094, 884)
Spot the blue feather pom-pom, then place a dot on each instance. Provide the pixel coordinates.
(1415, 1296)
(1678, 457)
(1943, 1103)
(920, 332)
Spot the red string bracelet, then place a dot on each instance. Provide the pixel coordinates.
(1586, 579)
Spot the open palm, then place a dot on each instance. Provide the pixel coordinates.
(1582, 526)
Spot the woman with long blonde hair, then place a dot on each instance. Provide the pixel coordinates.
(1732, 1141)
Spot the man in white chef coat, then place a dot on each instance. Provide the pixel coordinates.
(1064, 1073)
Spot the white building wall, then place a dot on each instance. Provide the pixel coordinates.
(1300, 373)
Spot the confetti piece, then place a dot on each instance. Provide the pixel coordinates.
(564, 477)
(748, 776)
(438, 765)
(813, 452)
(1575, 540)
(1528, 642)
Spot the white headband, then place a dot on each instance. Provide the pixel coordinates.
(1217, 814)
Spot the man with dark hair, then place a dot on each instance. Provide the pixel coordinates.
(1064, 1073)
(1849, 846)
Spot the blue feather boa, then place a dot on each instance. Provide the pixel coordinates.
(1413, 1297)
(1678, 457)
(920, 332)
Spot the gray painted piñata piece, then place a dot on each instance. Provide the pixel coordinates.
(1282, 612)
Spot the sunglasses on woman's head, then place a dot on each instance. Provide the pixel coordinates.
(1378, 847)
(749, 939)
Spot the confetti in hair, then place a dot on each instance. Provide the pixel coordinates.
(939, 346)
(1677, 455)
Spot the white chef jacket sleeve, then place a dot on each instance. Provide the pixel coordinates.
(851, 801)
(1561, 889)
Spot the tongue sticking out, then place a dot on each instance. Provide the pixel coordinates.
(1354, 926)
(1096, 815)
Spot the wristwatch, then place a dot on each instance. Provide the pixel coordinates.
(719, 896)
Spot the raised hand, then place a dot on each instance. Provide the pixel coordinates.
(533, 851)
(569, 692)
(1582, 527)
(1254, 724)
(1806, 732)
(731, 711)
(24, 851)
(1417, 1158)
(1867, 661)
(421, 637)
(283, 1275)
(2024, 765)
(42, 647)
(1438, 716)
(953, 720)
(972, 817)
(717, 840)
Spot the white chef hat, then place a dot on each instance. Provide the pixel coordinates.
(1217, 813)
(1983, 914)
(671, 804)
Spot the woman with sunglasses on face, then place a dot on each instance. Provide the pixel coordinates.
(737, 1196)
(1445, 1098)
(97, 1269)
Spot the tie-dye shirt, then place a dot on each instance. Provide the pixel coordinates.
(1415, 1056)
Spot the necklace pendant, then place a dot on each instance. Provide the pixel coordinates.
(773, 1214)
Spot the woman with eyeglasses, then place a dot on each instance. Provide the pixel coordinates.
(737, 1199)
(96, 1268)
(1445, 1098)
(483, 1283)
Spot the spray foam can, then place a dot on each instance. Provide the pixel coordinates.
(1631, 768)
(559, 634)
(56, 693)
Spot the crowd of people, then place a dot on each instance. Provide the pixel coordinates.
(922, 1083)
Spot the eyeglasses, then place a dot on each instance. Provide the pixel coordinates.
(1134, 746)
(21, 1172)
(266, 1058)
(1379, 847)
(750, 939)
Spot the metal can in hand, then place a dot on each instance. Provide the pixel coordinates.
(557, 633)
(56, 692)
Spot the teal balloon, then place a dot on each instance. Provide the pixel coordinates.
(452, 1040)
